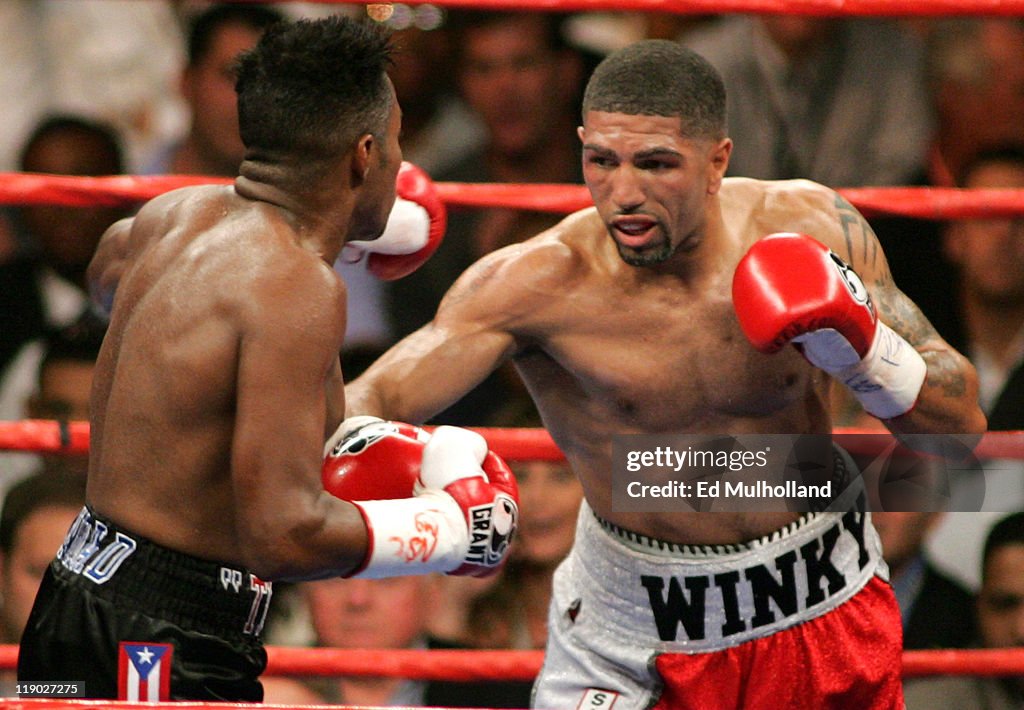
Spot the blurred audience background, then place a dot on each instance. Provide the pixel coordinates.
(104, 87)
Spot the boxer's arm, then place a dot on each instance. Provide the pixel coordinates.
(439, 363)
(120, 246)
(413, 232)
(288, 527)
(108, 264)
(948, 399)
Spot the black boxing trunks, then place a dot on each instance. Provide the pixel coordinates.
(128, 619)
(802, 619)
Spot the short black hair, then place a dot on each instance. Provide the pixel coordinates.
(1010, 154)
(105, 135)
(205, 25)
(80, 341)
(660, 78)
(38, 490)
(312, 87)
(552, 25)
(1007, 531)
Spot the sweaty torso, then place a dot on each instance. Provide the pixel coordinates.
(165, 392)
(626, 350)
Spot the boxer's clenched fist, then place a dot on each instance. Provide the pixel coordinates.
(413, 233)
(432, 503)
(790, 288)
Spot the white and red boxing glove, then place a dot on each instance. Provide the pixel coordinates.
(431, 503)
(413, 233)
(792, 288)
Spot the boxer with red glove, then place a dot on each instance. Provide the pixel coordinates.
(431, 503)
(792, 288)
(413, 232)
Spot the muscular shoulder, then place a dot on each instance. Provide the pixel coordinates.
(285, 294)
(801, 206)
(157, 216)
(245, 251)
(284, 275)
(772, 201)
(518, 283)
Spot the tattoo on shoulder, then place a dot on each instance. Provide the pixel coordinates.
(860, 238)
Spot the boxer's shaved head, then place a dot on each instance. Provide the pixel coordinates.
(660, 78)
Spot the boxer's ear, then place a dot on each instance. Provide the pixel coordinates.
(718, 159)
(361, 157)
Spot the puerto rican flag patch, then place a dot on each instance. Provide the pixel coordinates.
(144, 671)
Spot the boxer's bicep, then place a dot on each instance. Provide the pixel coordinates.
(435, 366)
(948, 398)
(894, 308)
(284, 363)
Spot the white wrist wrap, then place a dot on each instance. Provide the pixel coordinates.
(889, 378)
(418, 535)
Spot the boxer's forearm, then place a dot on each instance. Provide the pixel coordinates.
(946, 409)
(948, 400)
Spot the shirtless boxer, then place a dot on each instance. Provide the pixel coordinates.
(215, 389)
(622, 320)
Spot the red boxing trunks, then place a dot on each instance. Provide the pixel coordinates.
(802, 618)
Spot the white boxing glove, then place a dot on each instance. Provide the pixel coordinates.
(413, 233)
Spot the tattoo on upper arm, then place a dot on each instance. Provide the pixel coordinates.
(857, 232)
(945, 371)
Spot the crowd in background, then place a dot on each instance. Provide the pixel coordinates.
(99, 87)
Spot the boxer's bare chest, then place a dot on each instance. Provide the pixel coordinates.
(661, 358)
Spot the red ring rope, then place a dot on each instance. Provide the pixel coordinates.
(524, 444)
(930, 203)
(825, 8)
(919, 202)
(467, 665)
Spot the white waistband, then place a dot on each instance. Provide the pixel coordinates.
(703, 598)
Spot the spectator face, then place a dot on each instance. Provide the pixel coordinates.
(64, 392)
(984, 105)
(208, 87)
(794, 35)
(68, 235)
(35, 544)
(520, 87)
(365, 613)
(989, 252)
(902, 535)
(419, 70)
(65, 386)
(550, 496)
(1001, 598)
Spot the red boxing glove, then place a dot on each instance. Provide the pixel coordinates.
(792, 288)
(440, 503)
(413, 232)
(457, 460)
(356, 469)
